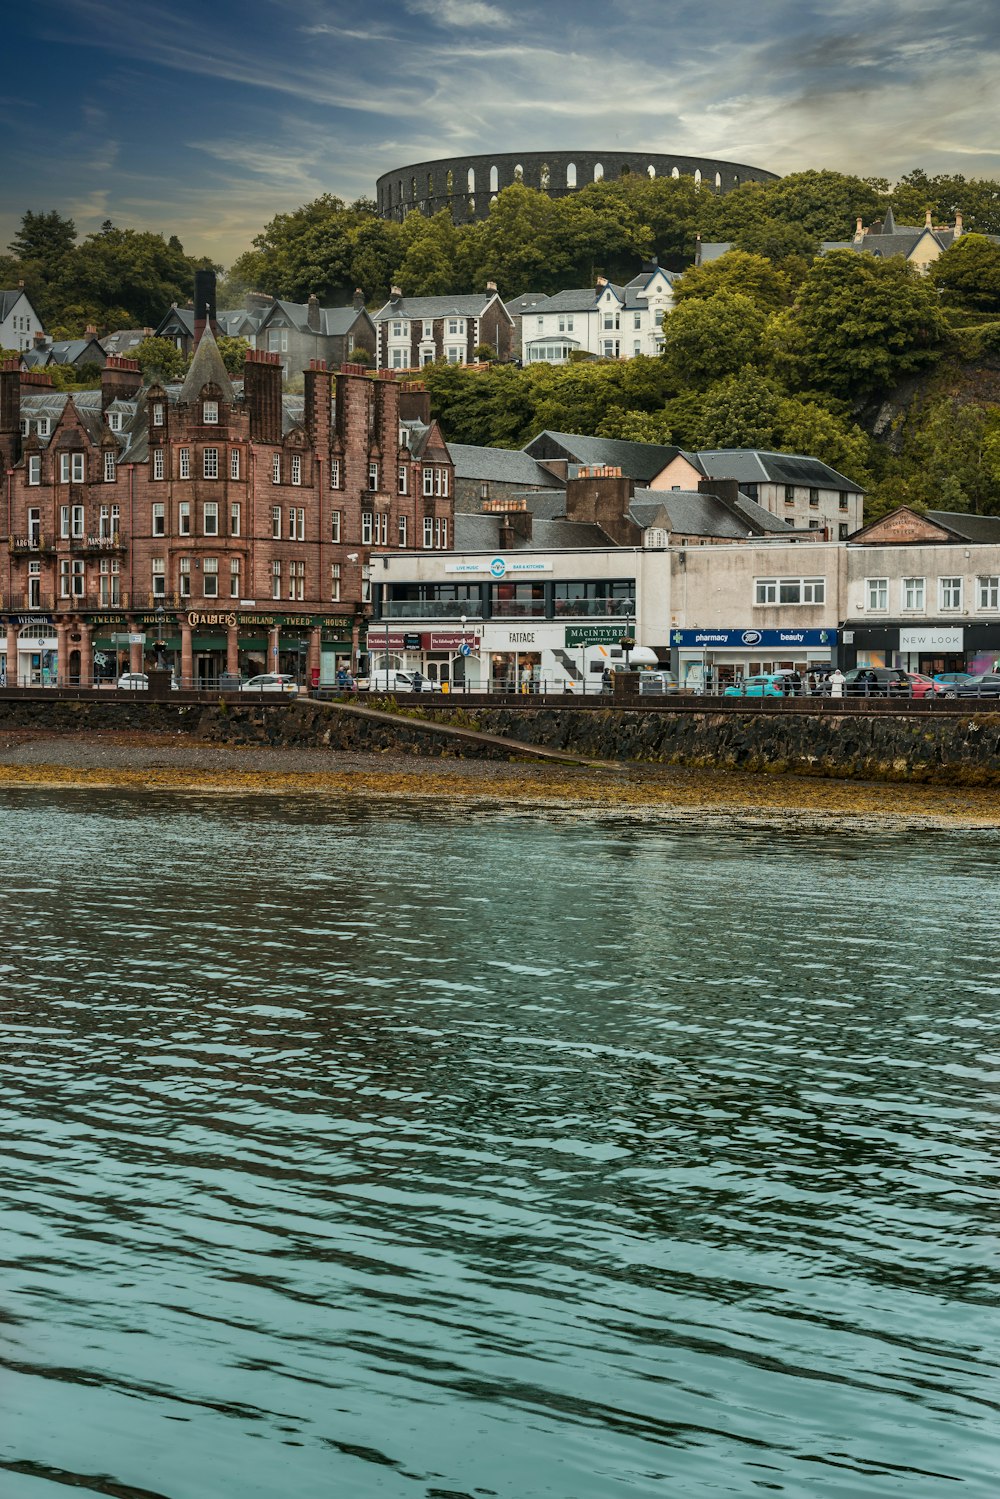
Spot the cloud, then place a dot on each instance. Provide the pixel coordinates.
(467, 14)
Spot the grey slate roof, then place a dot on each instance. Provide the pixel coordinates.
(502, 465)
(333, 321)
(473, 305)
(642, 461)
(759, 466)
(970, 527)
(481, 533)
(690, 513)
(206, 368)
(10, 299)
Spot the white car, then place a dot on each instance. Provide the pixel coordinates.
(271, 681)
(133, 681)
(399, 681)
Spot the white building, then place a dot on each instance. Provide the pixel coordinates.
(804, 491)
(19, 322)
(609, 322)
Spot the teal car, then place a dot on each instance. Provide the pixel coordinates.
(772, 685)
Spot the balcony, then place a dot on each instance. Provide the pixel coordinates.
(519, 608)
(97, 545)
(432, 609)
(30, 546)
(591, 608)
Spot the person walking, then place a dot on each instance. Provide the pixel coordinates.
(837, 683)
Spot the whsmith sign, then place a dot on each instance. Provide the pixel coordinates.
(750, 640)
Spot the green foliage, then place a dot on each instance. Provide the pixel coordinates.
(708, 338)
(160, 360)
(968, 274)
(233, 351)
(751, 275)
(326, 248)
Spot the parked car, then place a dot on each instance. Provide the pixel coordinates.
(398, 681)
(771, 685)
(924, 686)
(876, 681)
(985, 685)
(952, 678)
(656, 682)
(133, 681)
(271, 681)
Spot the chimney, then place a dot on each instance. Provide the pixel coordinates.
(515, 520)
(602, 282)
(257, 301)
(262, 395)
(319, 396)
(601, 496)
(395, 294)
(414, 402)
(10, 412)
(91, 330)
(204, 303)
(120, 380)
(359, 299)
(312, 313)
(40, 338)
(859, 230)
(958, 225)
(491, 286)
(928, 221)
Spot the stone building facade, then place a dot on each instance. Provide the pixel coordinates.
(467, 185)
(230, 521)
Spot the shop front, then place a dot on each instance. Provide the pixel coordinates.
(719, 658)
(928, 649)
(450, 658)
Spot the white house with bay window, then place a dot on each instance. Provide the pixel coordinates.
(607, 321)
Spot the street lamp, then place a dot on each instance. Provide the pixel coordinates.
(627, 641)
(465, 659)
(159, 643)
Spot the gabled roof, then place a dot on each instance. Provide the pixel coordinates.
(232, 322)
(9, 300)
(481, 533)
(968, 527)
(206, 368)
(501, 466)
(691, 513)
(525, 302)
(760, 466)
(333, 321)
(473, 305)
(642, 461)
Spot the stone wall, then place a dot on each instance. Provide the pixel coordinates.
(957, 749)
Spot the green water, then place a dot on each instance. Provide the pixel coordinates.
(386, 1152)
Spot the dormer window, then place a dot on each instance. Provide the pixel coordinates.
(25, 426)
(44, 426)
(159, 414)
(210, 413)
(115, 421)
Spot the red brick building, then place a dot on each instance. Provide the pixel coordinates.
(230, 520)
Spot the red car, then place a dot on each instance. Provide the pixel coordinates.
(923, 686)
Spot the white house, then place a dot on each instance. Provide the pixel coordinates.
(19, 322)
(608, 321)
(802, 490)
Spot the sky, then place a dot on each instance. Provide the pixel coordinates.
(205, 118)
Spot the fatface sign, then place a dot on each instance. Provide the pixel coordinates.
(750, 640)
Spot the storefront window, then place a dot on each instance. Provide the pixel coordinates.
(518, 600)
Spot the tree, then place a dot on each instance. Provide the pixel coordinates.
(44, 237)
(860, 324)
(968, 273)
(636, 426)
(233, 351)
(160, 360)
(750, 275)
(707, 338)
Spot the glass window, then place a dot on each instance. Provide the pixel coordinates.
(184, 577)
(210, 577)
(428, 531)
(35, 469)
(276, 522)
(402, 531)
(159, 577)
(296, 580)
(234, 578)
(335, 582)
(64, 522)
(210, 413)
(766, 591)
(373, 476)
(428, 481)
(234, 463)
(78, 521)
(276, 469)
(403, 478)
(913, 593)
(989, 591)
(296, 468)
(210, 518)
(159, 414)
(276, 579)
(334, 473)
(110, 466)
(184, 460)
(184, 518)
(210, 463)
(367, 523)
(878, 593)
(158, 463)
(813, 590)
(234, 518)
(950, 593)
(335, 525)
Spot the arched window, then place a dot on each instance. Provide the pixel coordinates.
(650, 171)
(494, 180)
(571, 174)
(413, 188)
(697, 177)
(543, 177)
(626, 170)
(519, 173)
(430, 184)
(718, 182)
(472, 206)
(736, 179)
(598, 172)
(472, 180)
(449, 182)
(676, 172)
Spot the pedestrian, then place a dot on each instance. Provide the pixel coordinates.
(837, 683)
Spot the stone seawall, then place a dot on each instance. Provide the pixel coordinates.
(958, 749)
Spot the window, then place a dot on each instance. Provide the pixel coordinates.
(64, 577)
(296, 524)
(373, 476)
(790, 591)
(398, 330)
(44, 426)
(184, 518)
(276, 469)
(428, 481)
(403, 478)
(766, 591)
(843, 531)
(110, 520)
(276, 522)
(210, 463)
(110, 466)
(34, 585)
(210, 518)
(637, 320)
(210, 413)
(159, 464)
(234, 578)
(296, 468)
(184, 461)
(78, 522)
(842, 501)
(335, 582)
(79, 578)
(950, 593)
(454, 353)
(35, 469)
(110, 586)
(64, 522)
(335, 525)
(913, 593)
(402, 531)
(159, 413)
(334, 473)
(159, 578)
(115, 421)
(366, 584)
(814, 590)
(367, 524)
(184, 577)
(276, 579)
(296, 580)
(989, 591)
(428, 328)
(159, 520)
(789, 494)
(456, 325)
(814, 498)
(234, 463)
(398, 359)
(428, 530)
(234, 518)
(71, 468)
(210, 577)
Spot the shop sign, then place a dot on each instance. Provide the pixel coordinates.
(946, 638)
(31, 619)
(532, 637)
(609, 634)
(750, 640)
(499, 567)
(386, 640)
(450, 640)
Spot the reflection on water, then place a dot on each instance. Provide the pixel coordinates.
(371, 1151)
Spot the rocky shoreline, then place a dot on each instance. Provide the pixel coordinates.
(159, 762)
